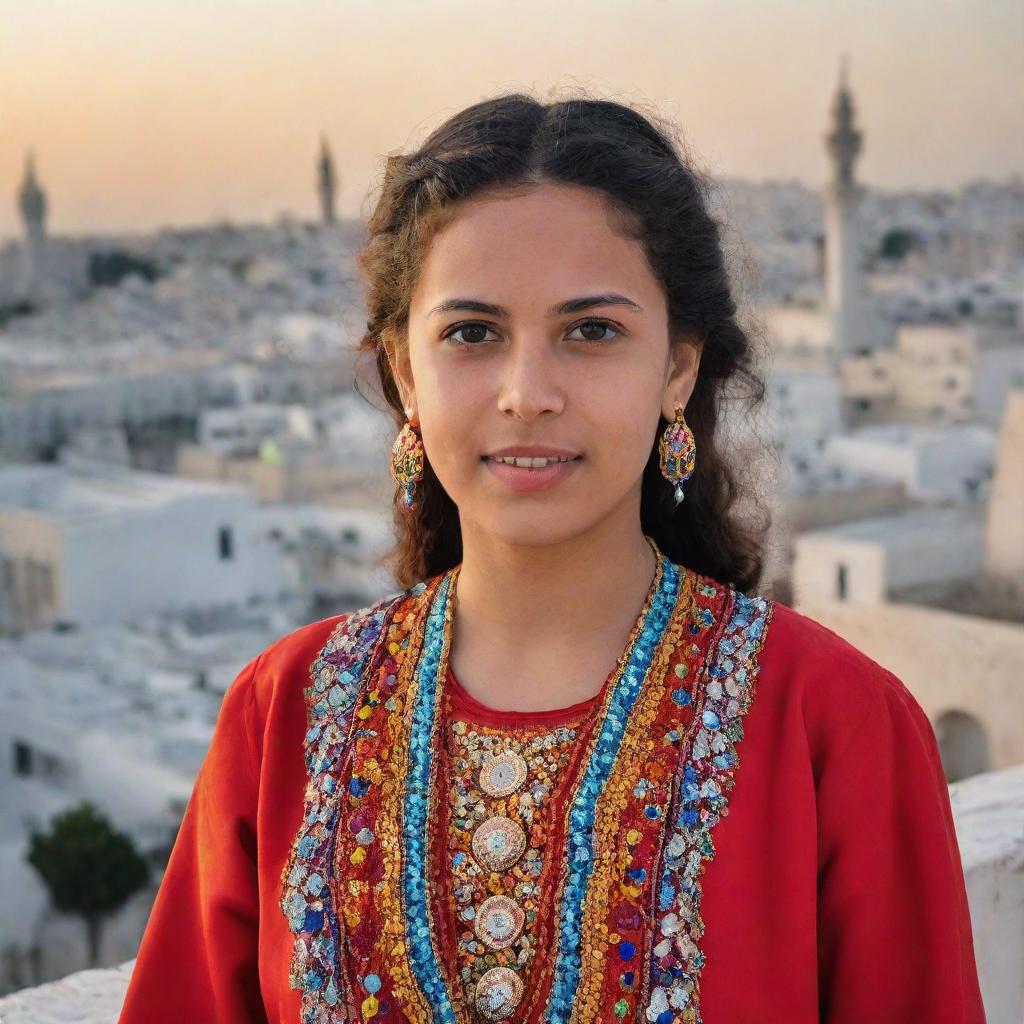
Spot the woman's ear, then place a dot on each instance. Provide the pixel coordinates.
(401, 372)
(681, 374)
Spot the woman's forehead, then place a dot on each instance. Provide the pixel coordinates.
(554, 243)
(528, 211)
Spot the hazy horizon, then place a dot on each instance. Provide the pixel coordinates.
(145, 116)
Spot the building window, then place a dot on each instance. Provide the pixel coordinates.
(22, 758)
(226, 541)
(44, 581)
(841, 581)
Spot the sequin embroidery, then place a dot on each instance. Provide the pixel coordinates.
(477, 755)
(655, 773)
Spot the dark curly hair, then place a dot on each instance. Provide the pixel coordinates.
(512, 141)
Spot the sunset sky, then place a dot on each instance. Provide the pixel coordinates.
(157, 113)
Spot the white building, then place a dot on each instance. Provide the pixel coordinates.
(46, 409)
(951, 373)
(1005, 551)
(241, 430)
(956, 372)
(804, 413)
(345, 425)
(119, 716)
(871, 560)
(103, 544)
(952, 463)
(335, 452)
(962, 669)
(331, 554)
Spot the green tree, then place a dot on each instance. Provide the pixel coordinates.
(89, 868)
(897, 242)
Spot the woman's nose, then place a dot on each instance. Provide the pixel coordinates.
(530, 382)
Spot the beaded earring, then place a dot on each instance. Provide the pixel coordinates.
(407, 462)
(678, 452)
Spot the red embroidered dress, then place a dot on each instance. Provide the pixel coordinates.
(756, 826)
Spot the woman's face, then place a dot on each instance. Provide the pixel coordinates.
(537, 328)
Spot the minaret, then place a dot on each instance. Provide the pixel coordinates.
(32, 203)
(326, 182)
(843, 284)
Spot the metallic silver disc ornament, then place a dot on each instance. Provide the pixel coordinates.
(498, 993)
(499, 921)
(498, 843)
(503, 774)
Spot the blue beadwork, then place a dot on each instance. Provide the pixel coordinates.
(422, 955)
(581, 816)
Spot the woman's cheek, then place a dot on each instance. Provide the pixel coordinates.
(450, 446)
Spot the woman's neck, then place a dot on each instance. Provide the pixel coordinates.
(541, 627)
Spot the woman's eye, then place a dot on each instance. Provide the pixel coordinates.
(472, 332)
(591, 329)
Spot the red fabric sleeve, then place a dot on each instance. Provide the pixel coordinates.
(198, 958)
(894, 940)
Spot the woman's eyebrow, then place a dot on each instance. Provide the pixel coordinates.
(570, 306)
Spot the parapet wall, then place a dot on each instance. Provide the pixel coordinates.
(989, 813)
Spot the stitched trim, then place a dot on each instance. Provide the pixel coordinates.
(336, 675)
(707, 775)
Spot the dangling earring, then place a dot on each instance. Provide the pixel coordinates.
(678, 452)
(407, 462)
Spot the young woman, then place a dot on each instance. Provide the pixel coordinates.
(502, 794)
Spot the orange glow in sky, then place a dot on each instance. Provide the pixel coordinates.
(159, 113)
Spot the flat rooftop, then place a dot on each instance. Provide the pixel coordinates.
(67, 492)
(906, 524)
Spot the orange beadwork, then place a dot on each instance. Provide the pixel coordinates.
(610, 888)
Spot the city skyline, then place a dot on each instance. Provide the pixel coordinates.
(186, 115)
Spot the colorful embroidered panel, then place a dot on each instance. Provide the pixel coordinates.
(499, 859)
(337, 675)
(635, 839)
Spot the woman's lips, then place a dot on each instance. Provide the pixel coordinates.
(522, 479)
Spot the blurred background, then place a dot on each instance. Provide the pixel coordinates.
(188, 469)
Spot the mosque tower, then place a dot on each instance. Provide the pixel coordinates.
(32, 203)
(844, 289)
(326, 182)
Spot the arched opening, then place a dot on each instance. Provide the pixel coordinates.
(963, 745)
